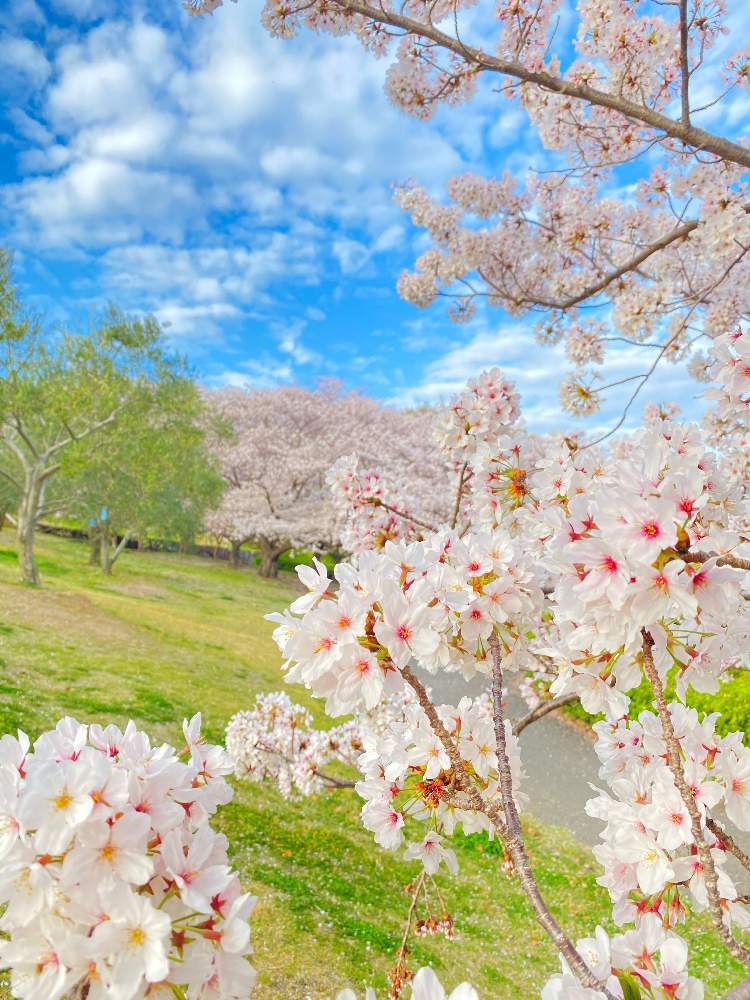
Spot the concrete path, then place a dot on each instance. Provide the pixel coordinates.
(558, 759)
(560, 765)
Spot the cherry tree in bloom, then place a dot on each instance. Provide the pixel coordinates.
(274, 464)
(584, 573)
(624, 95)
(283, 442)
(395, 485)
(113, 884)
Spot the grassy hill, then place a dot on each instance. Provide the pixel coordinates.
(167, 636)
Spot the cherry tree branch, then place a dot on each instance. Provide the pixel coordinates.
(334, 782)
(680, 233)
(544, 708)
(416, 890)
(460, 774)
(514, 842)
(701, 557)
(459, 494)
(728, 842)
(687, 134)
(684, 66)
(377, 502)
(674, 762)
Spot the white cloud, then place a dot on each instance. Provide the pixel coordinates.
(264, 374)
(537, 371)
(98, 202)
(254, 125)
(351, 254)
(24, 61)
(192, 322)
(289, 337)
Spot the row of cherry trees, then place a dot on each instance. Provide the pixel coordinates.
(279, 447)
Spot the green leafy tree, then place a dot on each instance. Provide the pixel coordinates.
(8, 497)
(62, 392)
(155, 478)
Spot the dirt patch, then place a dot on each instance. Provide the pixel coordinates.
(149, 591)
(66, 613)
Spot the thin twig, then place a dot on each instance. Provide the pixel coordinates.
(544, 708)
(727, 841)
(459, 494)
(674, 762)
(514, 842)
(377, 502)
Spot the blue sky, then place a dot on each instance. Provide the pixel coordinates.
(240, 188)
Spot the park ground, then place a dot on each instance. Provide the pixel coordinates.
(167, 636)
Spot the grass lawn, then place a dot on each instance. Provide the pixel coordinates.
(169, 635)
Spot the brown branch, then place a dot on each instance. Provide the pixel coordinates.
(728, 842)
(688, 135)
(377, 502)
(674, 762)
(701, 557)
(335, 782)
(631, 265)
(544, 708)
(459, 494)
(514, 842)
(417, 889)
(684, 67)
(460, 775)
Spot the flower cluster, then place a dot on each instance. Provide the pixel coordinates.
(367, 503)
(623, 555)
(113, 882)
(578, 395)
(408, 776)
(648, 847)
(731, 370)
(433, 602)
(479, 416)
(277, 741)
(647, 961)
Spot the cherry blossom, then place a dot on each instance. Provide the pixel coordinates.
(106, 892)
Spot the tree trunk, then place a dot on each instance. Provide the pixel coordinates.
(269, 557)
(236, 559)
(105, 551)
(28, 514)
(2, 518)
(119, 548)
(95, 545)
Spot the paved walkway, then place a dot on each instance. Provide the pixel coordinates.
(558, 759)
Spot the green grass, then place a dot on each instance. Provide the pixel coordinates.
(169, 635)
(732, 701)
